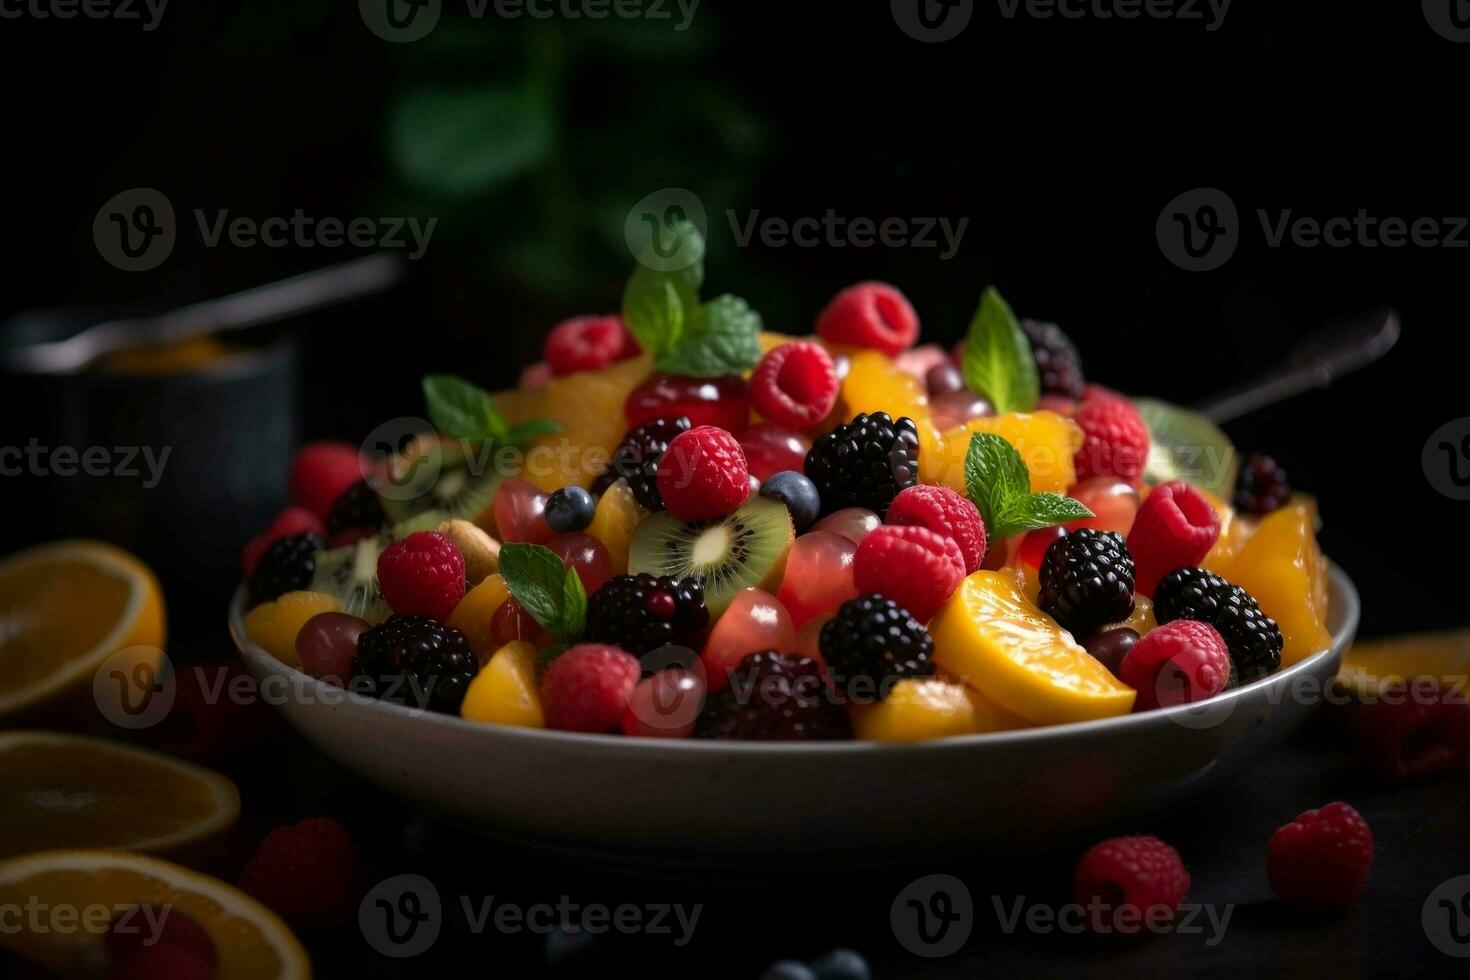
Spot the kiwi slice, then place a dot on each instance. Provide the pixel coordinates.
(351, 574)
(747, 548)
(1184, 445)
(451, 478)
(429, 520)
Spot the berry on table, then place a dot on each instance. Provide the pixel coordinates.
(795, 384)
(1115, 438)
(722, 402)
(416, 661)
(799, 495)
(1262, 486)
(181, 949)
(870, 314)
(569, 509)
(1254, 639)
(1087, 580)
(945, 512)
(1321, 860)
(422, 575)
(1177, 663)
(865, 462)
(587, 688)
(703, 474)
(636, 459)
(1057, 360)
(588, 343)
(872, 641)
(1413, 733)
(914, 566)
(641, 613)
(289, 522)
(1127, 884)
(774, 697)
(308, 874)
(286, 566)
(1175, 528)
(771, 448)
(321, 472)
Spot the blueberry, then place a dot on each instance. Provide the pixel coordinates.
(569, 509)
(798, 494)
(788, 970)
(842, 964)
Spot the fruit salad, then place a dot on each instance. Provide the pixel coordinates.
(684, 525)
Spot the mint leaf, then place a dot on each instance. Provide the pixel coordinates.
(573, 606)
(997, 480)
(998, 362)
(526, 431)
(1041, 510)
(461, 410)
(657, 301)
(545, 588)
(719, 339)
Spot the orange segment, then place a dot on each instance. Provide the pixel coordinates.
(992, 637)
(60, 791)
(64, 609)
(251, 942)
(617, 515)
(1397, 661)
(273, 625)
(1282, 567)
(475, 614)
(923, 708)
(1046, 441)
(873, 384)
(504, 692)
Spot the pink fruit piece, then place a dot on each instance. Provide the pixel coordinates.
(809, 638)
(754, 621)
(771, 448)
(722, 402)
(1034, 544)
(919, 361)
(853, 523)
(512, 622)
(945, 512)
(588, 556)
(818, 575)
(327, 644)
(1114, 503)
(320, 473)
(520, 512)
(665, 705)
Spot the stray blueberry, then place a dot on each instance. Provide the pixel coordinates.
(569, 509)
(798, 494)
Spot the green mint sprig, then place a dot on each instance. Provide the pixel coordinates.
(684, 336)
(462, 410)
(997, 480)
(998, 362)
(545, 588)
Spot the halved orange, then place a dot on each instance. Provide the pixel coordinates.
(64, 609)
(250, 941)
(59, 791)
(1394, 662)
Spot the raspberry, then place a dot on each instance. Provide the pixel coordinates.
(1177, 663)
(773, 697)
(795, 384)
(1057, 360)
(131, 936)
(871, 640)
(287, 566)
(416, 661)
(1128, 883)
(1322, 859)
(1116, 439)
(422, 575)
(1262, 486)
(1087, 580)
(914, 566)
(586, 688)
(356, 508)
(321, 472)
(636, 460)
(163, 961)
(870, 314)
(703, 474)
(641, 613)
(1413, 734)
(1175, 528)
(307, 874)
(1254, 639)
(865, 462)
(588, 343)
(289, 522)
(944, 511)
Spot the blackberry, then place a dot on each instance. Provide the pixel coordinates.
(865, 462)
(1057, 360)
(1262, 486)
(871, 640)
(417, 661)
(636, 460)
(287, 565)
(641, 613)
(356, 507)
(773, 697)
(1087, 580)
(1253, 638)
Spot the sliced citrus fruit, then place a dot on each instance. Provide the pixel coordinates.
(64, 609)
(475, 614)
(1282, 567)
(875, 384)
(504, 691)
(923, 708)
(998, 642)
(1047, 442)
(1396, 662)
(250, 941)
(59, 791)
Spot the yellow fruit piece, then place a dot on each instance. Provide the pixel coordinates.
(64, 609)
(474, 615)
(1026, 579)
(994, 638)
(1142, 620)
(250, 941)
(873, 384)
(1046, 441)
(1396, 662)
(923, 708)
(1282, 567)
(60, 791)
(589, 406)
(504, 692)
(273, 626)
(617, 515)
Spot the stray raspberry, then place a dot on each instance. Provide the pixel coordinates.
(1116, 438)
(914, 566)
(1414, 733)
(162, 961)
(703, 474)
(795, 384)
(307, 874)
(588, 343)
(422, 575)
(135, 932)
(945, 512)
(587, 687)
(1175, 528)
(1177, 663)
(870, 314)
(1127, 884)
(1321, 860)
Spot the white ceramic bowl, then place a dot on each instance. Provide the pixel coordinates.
(653, 803)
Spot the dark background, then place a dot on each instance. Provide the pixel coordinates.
(1059, 140)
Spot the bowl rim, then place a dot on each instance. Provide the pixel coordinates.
(1346, 611)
